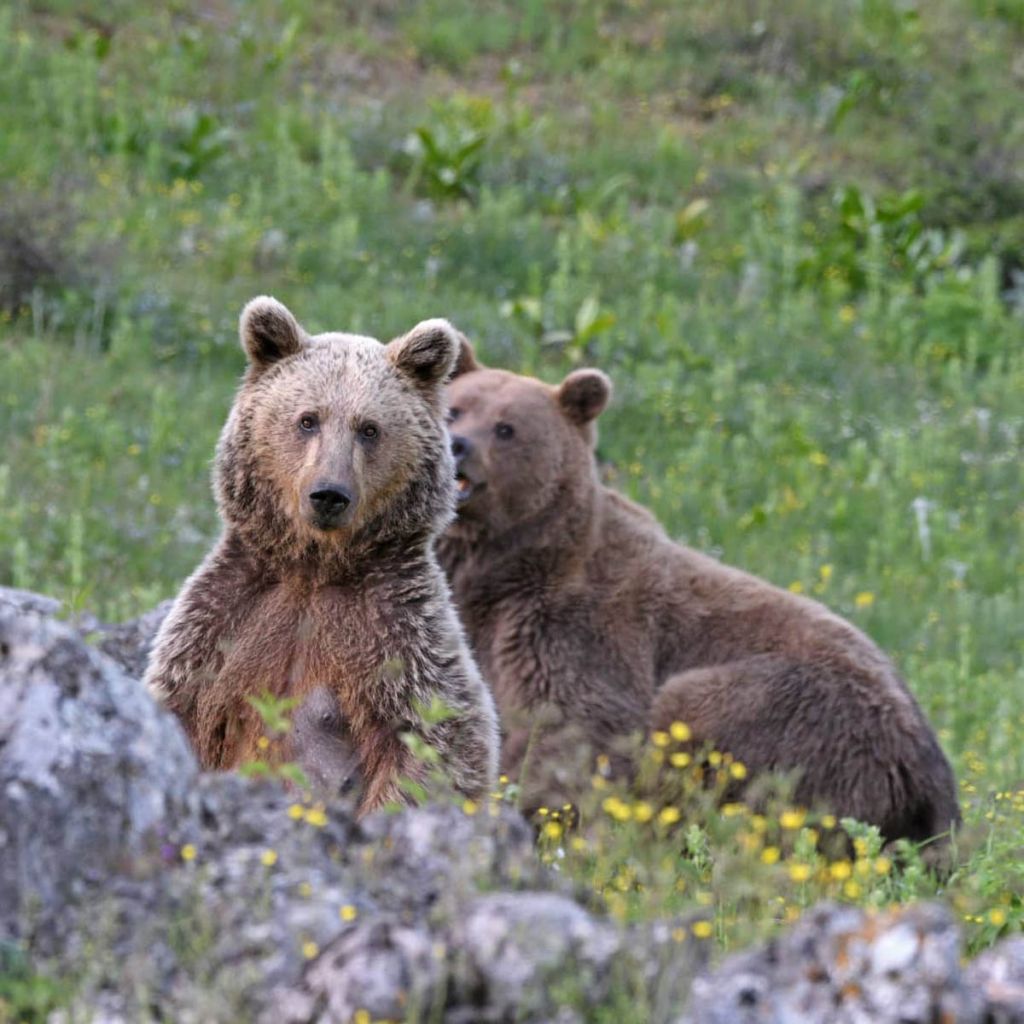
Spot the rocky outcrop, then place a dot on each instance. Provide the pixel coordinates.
(90, 769)
(171, 895)
(842, 965)
(217, 897)
(998, 975)
(127, 643)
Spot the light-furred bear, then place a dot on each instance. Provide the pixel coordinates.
(333, 478)
(587, 619)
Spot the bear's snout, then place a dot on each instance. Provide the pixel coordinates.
(465, 481)
(461, 447)
(331, 504)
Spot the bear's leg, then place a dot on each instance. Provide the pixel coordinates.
(553, 756)
(196, 637)
(468, 747)
(385, 761)
(858, 742)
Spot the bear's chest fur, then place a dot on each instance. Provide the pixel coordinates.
(291, 640)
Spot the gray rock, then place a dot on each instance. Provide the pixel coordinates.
(129, 643)
(440, 857)
(172, 895)
(391, 971)
(998, 974)
(14, 600)
(511, 950)
(265, 888)
(90, 771)
(842, 965)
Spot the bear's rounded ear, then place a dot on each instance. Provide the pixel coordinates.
(465, 362)
(583, 395)
(268, 331)
(427, 354)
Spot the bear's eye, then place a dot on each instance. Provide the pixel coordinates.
(308, 423)
(504, 431)
(369, 431)
(454, 414)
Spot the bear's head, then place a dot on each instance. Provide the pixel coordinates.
(335, 441)
(524, 450)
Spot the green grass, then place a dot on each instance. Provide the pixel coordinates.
(788, 229)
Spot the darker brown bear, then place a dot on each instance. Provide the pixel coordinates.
(583, 613)
(333, 478)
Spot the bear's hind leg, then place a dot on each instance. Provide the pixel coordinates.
(859, 744)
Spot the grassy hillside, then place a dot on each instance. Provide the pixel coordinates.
(792, 231)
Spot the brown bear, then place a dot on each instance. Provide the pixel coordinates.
(333, 478)
(580, 609)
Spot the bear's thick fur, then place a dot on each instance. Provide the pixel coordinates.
(333, 479)
(581, 611)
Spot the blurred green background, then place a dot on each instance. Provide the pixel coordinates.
(792, 231)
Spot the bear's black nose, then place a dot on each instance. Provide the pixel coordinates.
(461, 447)
(330, 501)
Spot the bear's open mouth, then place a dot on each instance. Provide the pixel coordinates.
(464, 487)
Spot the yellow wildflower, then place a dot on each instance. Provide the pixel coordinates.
(792, 819)
(188, 852)
(680, 732)
(799, 872)
(469, 807)
(617, 809)
(268, 858)
(310, 950)
(669, 816)
(840, 870)
(315, 816)
(553, 830)
(659, 738)
(770, 855)
(865, 599)
(643, 811)
(347, 912)
(702, 929)
(750, 841)
(680, 759)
